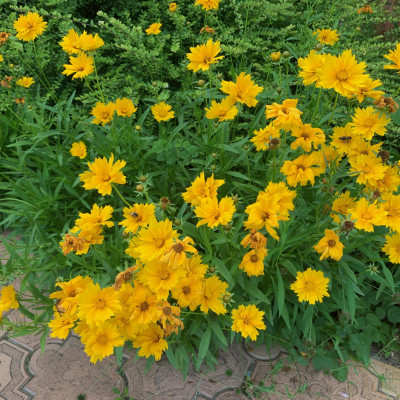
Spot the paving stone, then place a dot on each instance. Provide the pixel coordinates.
(391, 382)
(64, 371)
(292, 378)
(13, 375)
(262, 352)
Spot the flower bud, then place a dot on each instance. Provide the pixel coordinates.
(227, 227)
(143, 178)
(235, 199)
(279, 90)
(226, 298)
(286, 54)
(276, 56)
(358, 29)
(214, 155)
(165, 203)
(211, 269)
(177, 222)
(318, 47)
(245, 147)
(140, 187)
(138, 128)
(219, 76)
(154, 84)
(200, 83)
(125, 234)
(213, 167)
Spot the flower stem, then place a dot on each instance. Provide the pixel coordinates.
(334, 108)
(120, 195)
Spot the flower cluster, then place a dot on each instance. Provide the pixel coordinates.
(8, 299)
(104, 113)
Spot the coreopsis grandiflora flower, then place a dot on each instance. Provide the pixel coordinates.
(330, 246)
(248, 320)
(78, 149)
(394, 56)
(202, 188)
(202, 56)
(29, 26)
(224, 111)
(368, 121)
(80, 66)
(327, 36)
(392, 248)
(311, 286)
(162, 112)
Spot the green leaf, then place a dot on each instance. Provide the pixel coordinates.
(215, 326)
(224, 271)
(281, 292)
(204, 345)
(389, 278)
(119, 352)
(393, 315)
(322, 361)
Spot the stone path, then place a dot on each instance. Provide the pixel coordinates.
(64, 372)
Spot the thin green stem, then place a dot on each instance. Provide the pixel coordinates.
(334, 108)
(97, 80)
(317, 105)
(120, 195)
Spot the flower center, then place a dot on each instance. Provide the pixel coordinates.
(186, 290)
(102, 339)
(106, 177)
(369, 123)
(342, 75)
(178, 248)
(167, 311)
(302, 167)
(264, 215)
(100, 304)
(309, 285)
(253, 258)
(144, 306)
(158, 242)
(331, 243)
(164, 275)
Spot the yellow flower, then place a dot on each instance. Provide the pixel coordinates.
(208, 4)
(25, 81)
(344, 74)
(263, 137)
(101, 341)
(151, 342)
(326, 157)
(70, 43)
(187, 292)
(343, 138)
(172, 7)
(96, 305)
(138, 215)
(390, 181)
(247, 320)
(80, 66)
(285, 114)
(160, 277)
(392, 206)
(243, 91)
(211, 296)
(327, 36)
(307, 137)
(127, 326)
(300, 170)
(154, 29)
(103, 113)
(224, 111)
(392, 248)
(330, 246)
(276, 56)
(369, 169)
(253, 262)
(60, 326)
(367, 122)
(202, 56)
(176, 253)
(125, 107)
(102, 174)
(365, 9)
(1, 58)
(367, 90)
(29, 26)
(143, 305)
(8, 299)
(97, 217)
(282, 194)
(78, 149)
(194, 267)
(264, 213)
(201, 189)
(394, 56)
(162, 112)
(88, 42)
(311, 67)
(367, 215)
(311, 286)
(363, 147)
(153, 242)
(342, 205)
(214, 213)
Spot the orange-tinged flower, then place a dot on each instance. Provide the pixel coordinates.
(151, 342)
(365, 9)
(154, 29)
(80, 66)
(255, 239)
(125, 107)
(187, 292)
(172, 7)
(224, 111)
(327, 36)
(248, 320)
(103, 174)
(330, 246)
(367, 122)
(276, 56)
(25, 81)
(176, 254)
(103, 113)
(394, 56)
(311, 286)
(202, 56)
(202, 188)
(214, 213)
(344, 74)
(138, 215)
(78, 149)
(29, 26)
(162, 112)
(243, 91)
